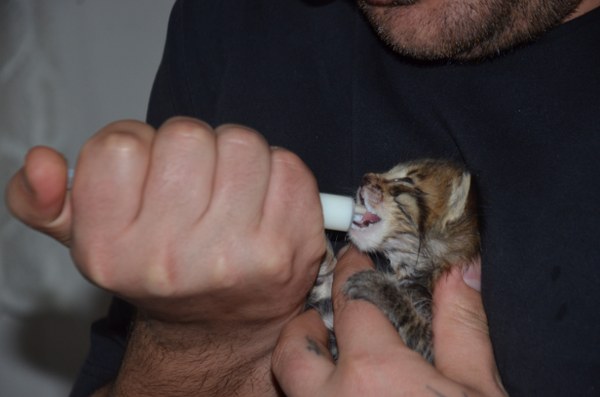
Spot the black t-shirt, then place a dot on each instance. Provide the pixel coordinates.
(316, 80)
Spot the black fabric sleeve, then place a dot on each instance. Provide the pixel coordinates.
(163, 98)
(107, 347)
(187, 80)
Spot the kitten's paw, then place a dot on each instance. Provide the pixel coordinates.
(371, 286)
(407, 305)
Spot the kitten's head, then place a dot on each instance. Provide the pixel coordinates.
(424, 207)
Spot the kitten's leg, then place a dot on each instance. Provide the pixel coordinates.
(320, 295)
(406, 303)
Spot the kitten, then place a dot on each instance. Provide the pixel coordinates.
(421, 217)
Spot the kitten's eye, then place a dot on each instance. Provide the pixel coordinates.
(407, 179)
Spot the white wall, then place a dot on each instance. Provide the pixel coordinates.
(67, 67)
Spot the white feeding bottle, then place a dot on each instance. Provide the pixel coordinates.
(338, 211)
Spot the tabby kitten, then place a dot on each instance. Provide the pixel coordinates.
(421, 217)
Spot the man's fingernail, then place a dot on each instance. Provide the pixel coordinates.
(25, 183)
(472, 277)
(342, 251)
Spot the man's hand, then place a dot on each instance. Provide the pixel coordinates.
(373, 360)
(213, 235)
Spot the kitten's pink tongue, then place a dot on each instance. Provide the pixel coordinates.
(368, 218)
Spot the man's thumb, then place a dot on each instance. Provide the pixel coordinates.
(463, 350)
(37, 194)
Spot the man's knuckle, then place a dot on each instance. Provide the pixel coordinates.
(292, 165)
(120, 141)
(240, 137)
(186, 130)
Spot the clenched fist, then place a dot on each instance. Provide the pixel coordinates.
(208, 232)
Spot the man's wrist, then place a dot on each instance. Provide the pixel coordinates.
(182, 359)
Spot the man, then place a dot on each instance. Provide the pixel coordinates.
(215, 236)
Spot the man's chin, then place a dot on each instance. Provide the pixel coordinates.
(410, 31)
(434, 30)
(386, 3)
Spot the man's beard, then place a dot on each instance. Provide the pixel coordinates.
(463, 29)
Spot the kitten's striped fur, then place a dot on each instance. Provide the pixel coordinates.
(421, 217)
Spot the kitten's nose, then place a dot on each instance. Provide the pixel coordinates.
(369, 179)
(371, 189)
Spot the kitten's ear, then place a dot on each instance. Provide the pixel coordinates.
(459, 197)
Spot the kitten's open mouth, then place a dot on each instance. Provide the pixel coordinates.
(364, 214)
(366, 220)
(364, 217)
